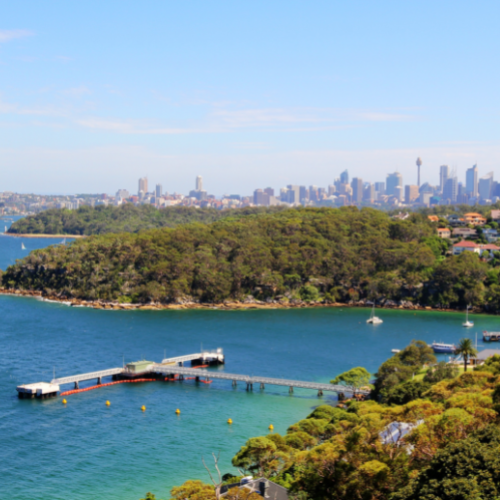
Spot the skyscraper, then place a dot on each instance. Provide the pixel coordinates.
(369, 193)
(199, 183)
(450, 190)
(485, 185)
(158, 191)
(471, 181)
(357, 190)
(143, 186)
(393, 180)
(411, 194)
(444, 173)
(344, 177)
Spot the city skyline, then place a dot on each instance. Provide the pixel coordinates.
(175, 100)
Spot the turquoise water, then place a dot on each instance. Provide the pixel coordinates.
(85, 450)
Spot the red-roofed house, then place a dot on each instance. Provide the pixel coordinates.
(468, 246)
(495, 215)
(489, 249)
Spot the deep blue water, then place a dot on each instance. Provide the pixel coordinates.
(85, 450)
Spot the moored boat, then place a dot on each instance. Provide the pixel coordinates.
(442, 348)
(491, 336)
(374, 320)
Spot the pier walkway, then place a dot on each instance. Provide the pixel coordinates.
(249, 380)
(174, 367)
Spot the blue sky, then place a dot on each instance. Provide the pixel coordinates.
(94, 95)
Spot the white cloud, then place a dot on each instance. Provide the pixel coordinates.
(77, 91)
(140, 127)
(8, 35)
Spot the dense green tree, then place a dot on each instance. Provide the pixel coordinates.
(353, 379)
(465, 470)
(439, 372)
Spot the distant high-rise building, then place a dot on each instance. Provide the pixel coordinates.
(313, 193)
(411, 193)
(369, 193)
(293, 193)
(419, 164)
(357, 190)
(199, 183)
(380, 187)
(344, 177)
(393, 180)
(471, 181)
(143, 186)
(485, 185)
(304, 194)
(444, 173)
(158, 191)
(398, 193)
(450, 190)
(260, 197)
(269, 191)
(122, 193)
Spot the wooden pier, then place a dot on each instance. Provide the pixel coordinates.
(173, 367)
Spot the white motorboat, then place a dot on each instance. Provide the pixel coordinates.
(374, 320)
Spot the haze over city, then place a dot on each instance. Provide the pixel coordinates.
(90, 103)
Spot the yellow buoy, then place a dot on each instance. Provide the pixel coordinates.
(64, 401)
(108, 403)
(143, 408)
(177, 412)
(229, 421)
(271, 427)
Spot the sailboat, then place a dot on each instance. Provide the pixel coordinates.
(374, 320)
(467, 323)
(63, 242)
(23, 247)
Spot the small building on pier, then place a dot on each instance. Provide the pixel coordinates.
(41, 390)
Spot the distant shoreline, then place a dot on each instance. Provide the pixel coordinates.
(31, 235)
(226, 306)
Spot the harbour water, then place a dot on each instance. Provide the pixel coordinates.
(86, 450)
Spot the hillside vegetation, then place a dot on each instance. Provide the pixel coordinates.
(444, 445)
(125, 218)
(308, 254)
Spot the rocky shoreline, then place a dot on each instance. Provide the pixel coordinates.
(33, 235)
(248, 303)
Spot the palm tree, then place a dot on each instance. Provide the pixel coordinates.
(467, 350)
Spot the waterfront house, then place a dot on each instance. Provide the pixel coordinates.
(443, 232)
(491, 235)
(484, 355)
(261, 486)
(466, 246)
(474, 219)
(456, 220)
(488, 250)
(464, 232)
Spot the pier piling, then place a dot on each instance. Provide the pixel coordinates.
(234, 383)
(320, 393)
(262, 387)
(290, 391)
(77, 386)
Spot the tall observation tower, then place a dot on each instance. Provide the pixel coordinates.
(419, 162)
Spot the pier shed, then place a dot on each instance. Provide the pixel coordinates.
(41, 390)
